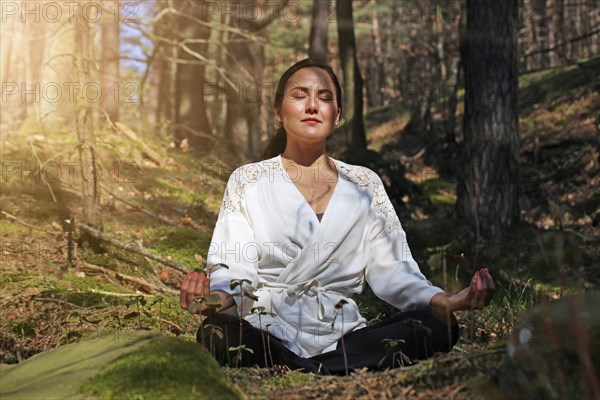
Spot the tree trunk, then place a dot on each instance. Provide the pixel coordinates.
(36, 45)
(245, 64)
(568, 27)
(163, 69)
(382, 94)
(319, 30)
(90, 185)
(488, 185)
(245, 61)
(552, 28)
(191, 117)
(455, 69)
(532, 42)
(6, 51)
(353, 83)
(109, 62)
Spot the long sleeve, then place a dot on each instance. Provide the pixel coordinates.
(392, 273)
(233, 242)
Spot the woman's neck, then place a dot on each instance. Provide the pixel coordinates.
(306, 157)
(315, 163)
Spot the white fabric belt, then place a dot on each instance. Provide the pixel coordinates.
(310, 288)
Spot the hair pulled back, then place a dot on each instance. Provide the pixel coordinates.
(276, 145)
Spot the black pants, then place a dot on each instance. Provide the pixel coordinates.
(397, 341)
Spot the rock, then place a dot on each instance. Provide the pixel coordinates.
(140, 364)
(554, 351)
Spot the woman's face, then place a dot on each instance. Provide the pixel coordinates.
(309, 111)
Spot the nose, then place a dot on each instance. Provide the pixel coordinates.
(312, 106)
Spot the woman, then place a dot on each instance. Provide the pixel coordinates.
(300, 232)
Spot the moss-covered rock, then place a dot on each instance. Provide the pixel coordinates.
(124, 365)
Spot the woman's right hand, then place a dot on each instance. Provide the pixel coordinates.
(197, 284)
(194, 284)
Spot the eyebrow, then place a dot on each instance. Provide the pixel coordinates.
(306, 89)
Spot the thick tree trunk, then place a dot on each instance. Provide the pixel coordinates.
(353, 82)
(488, 185)
(191, 116)
(319, 30)
(90, 185)
(109, 62)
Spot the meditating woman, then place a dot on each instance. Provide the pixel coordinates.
(297, 235)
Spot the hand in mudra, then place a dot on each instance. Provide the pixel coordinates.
(478, 294)
(194, 284)
(195, 295)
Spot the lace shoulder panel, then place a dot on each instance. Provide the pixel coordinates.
(243, 178)
(367, 178)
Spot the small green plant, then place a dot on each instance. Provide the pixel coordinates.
(260, 311)
(234, 283)
(339, 306)
(214, 330)
(239, 351)
(392, 348)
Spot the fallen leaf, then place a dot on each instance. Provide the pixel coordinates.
(164, 275)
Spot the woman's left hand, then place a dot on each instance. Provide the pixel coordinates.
(477, 295)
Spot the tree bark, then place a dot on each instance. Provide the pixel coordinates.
(245, 63)
(245, 60)
(162, 69)
(109, 61)
(488, 184)
(191, 116)
(382, 95)
(353, 82)
(6, 51)
(318, 40)
(36, 45)
(552, 28)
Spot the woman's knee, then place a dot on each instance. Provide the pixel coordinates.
(443, 336)
(216, 326)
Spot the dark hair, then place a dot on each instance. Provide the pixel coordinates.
(276, 145)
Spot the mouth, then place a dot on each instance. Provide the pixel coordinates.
(311, 120)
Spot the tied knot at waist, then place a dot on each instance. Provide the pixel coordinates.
(325, 302)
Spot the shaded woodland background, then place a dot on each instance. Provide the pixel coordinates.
(121, 122)
(201, 75)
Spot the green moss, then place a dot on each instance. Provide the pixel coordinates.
(125, 365)
(90, 284)
(166, 368)
(24, 281)
(180, 243)
(60, 372)
(162, 187)
(10, 228)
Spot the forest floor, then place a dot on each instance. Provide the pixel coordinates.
(171, 209)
